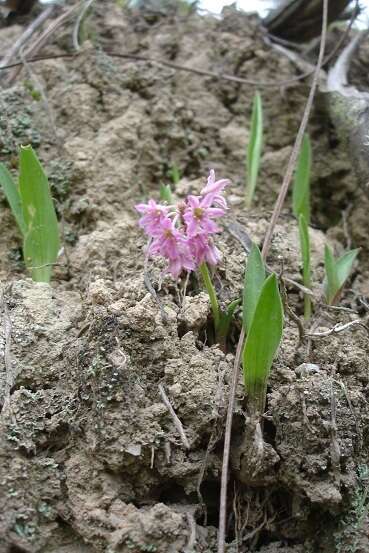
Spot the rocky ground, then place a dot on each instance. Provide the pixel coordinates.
(90, 459)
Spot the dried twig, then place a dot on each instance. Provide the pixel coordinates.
(175, 66)
(227, 444)
(256, 530)
(40, 42)
(336, 308)
(149, 59)
(272, 84)
(78, 24)
(299, 137)
(338, 328)
(192, 537)
(274, 39)
(338, 75)
(278, 207)
(38, 85)
(26, 35)
(296, 319)
(176, 421)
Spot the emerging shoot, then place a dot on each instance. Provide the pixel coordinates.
(301, 210)
(174, 174)
(254, 149)
(263, 321)
(33, 210)
(166, 193)
(337, 271)
(254, 280)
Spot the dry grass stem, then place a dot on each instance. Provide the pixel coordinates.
(176, 421)
(277, 210)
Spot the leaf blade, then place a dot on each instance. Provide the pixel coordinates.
(344, 266)
(254, 148)
(330, 284)
(226, 319)
(13, 197)
(306, 268)
(253, 283)
(41, 242)
(301, 185)
(262, 341)
(166, 193)
(337, 272)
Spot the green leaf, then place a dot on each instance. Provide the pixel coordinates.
(344, 266)
(254, 280)
(301, 185)
(41, 241)
(254, 148)
(331, 284)
(226, 319)
(12, 195)
(305, 254)
(166, 193)
(337, 272)
(174, 174)
(262, 342)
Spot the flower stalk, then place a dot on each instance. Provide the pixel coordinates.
(204, 270)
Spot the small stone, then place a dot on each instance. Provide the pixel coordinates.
(195, 311)
(306, 369)
(134, 449)
(99, 293)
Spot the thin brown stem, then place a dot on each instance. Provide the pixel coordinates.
(177, 423)
(266, 246)
(227, 445)
(26, 35)
(78, 24)
(299, 137)
(200, 72)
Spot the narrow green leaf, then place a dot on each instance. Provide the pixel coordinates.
(175, 174)
(226, 319)
(254, 280)
(205, 273)
(344, 266)
(337, 272)
(331, 283)
(254, 148)
(301, 185)
(166, 193)
(262, 342)
(12, 195)
(41, 241)
(305, 254)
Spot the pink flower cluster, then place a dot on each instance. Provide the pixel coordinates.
(182, 234)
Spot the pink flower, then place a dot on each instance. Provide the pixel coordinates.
(213, 190)
(171, 243)
(183, 236)
(198, 216)
(204, 249)
(153, 214)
